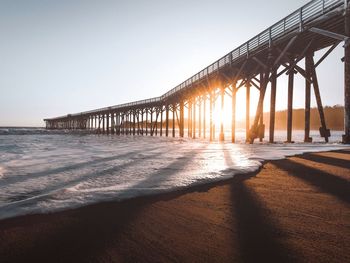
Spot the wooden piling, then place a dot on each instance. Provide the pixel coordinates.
(103, 123)
(233, 124)
(161, 122)
(308, 65)
(324, 132)
(290, 106)
(211, 116)
(247, 110)
(222, 135)
(167, 120)
(200, 117)
(346, 136)
(194, 118)
(204, 115)
(173, 119)
(182, 120)
(273, 106)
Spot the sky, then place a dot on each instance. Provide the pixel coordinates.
(67, 56)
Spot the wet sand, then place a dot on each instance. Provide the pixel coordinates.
(297, 209)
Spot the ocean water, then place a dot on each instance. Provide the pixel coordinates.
(44, 171)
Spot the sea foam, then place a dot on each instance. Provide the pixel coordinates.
(45, 172)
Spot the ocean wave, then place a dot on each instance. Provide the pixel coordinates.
(39, 131)
(41, 174)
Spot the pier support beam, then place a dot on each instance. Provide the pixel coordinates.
(113, 123)
(324, 132)
(146, 112)
(103, 123)
(142, 112)
(346, 136)
(233, 124)
(204, 115)
(199, 117)
(151, 122)
(247, 110)
(290, 106)
(182, 121)
(211, 137)
(133, 123)
(261, 129)
(273, 106)
(167, 121)
(194, 118)
(174, 108)
(107, 118)
(308, 65)
(222, 135)
(161, 121)
(189, 118)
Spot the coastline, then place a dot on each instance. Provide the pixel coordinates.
(295, 209)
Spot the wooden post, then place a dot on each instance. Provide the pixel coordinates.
(214, 100)
(161, 121)
(200, 117)
(151, 112)
(103, 124)
(204, 115)
(174, 107)
(118, 124)
(122, 122)
(156, 122)
(133, 123)
(182, 121)
(107, 117)
(146, 111)
(308, 65)
(324, 132)
(222, 135)
(189, 118)
(142, 110)
(194, 118)
(167, 121)
(247, 110)
(138, 122)
(273, 106)
(211, 115)
(290, 106)
(128, 123)
(233, 125)
(261, 122)
(346, 136)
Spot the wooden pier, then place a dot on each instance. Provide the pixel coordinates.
(258, 63)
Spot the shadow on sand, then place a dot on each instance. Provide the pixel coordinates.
(258, 233)
(324, 181)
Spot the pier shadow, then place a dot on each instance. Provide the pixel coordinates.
(328, 160)
(258, 234)
(90, 234)
(325, 182)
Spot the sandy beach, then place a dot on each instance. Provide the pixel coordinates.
(292, 210)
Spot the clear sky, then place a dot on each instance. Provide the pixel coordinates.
(59, 57)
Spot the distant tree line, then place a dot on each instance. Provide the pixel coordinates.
(334, 118)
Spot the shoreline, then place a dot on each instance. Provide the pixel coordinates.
(109, 231)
